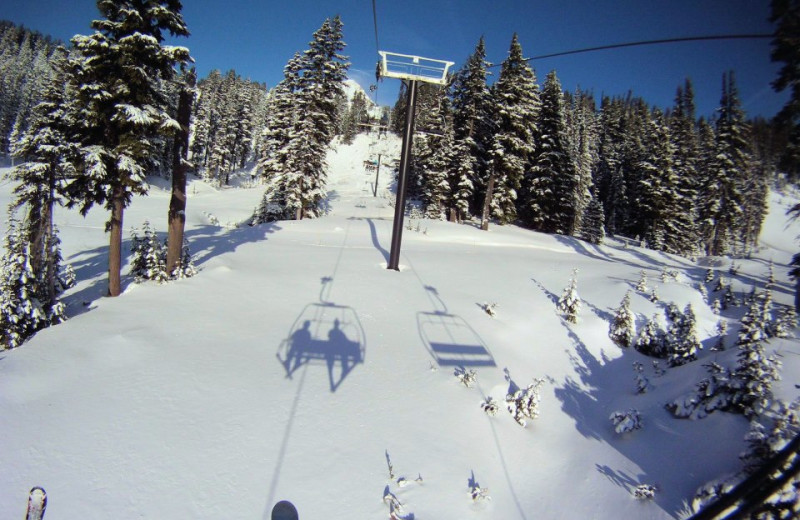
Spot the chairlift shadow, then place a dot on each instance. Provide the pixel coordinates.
(449, 339)
(324, 334)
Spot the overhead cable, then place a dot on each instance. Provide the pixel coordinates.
(375, 23)
(652, 42)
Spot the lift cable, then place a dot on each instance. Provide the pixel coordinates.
(650, 42)
(375, 24)
(374, 87)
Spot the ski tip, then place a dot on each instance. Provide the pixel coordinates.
(284, 510)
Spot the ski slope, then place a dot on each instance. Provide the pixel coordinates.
(296, 367)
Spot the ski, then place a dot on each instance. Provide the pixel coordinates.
(284, 510)
(37, 503)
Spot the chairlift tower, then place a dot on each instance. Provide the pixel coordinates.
(411, 69)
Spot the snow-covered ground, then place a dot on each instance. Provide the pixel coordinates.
(177, 400)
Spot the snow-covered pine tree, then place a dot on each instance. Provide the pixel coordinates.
(298, 135)
(516, 107)
(683, 124)
(582, 139)
(785, 15)
(282, 113)
(763, 443)
(50, 152)
(25, 69)
(632, 152)
(325, 70)
(433, 157)
(570, 302)
(355, 115)
(472, 126)
(722, 332)
(755, 192)
(550, 191)
(684, 344)
(651, 339)
(524, 403)
(592, 229)
(610, 182)
(755, 370)
(720, 199)
(701, 288)
(658, 201)
(149, 256)
(623, 327)
(21, 313)
(785, 323)
(115, 73)
(462, 188)
(641, 285)
(716, 392)
(642, 383)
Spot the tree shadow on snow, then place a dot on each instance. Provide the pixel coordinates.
(601, 386)
(92, 267)
(207, 242)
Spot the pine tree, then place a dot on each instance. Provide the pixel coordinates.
(274, 160)
(516, 106)
(148, 261)
(623, 327)
(551, 189)
(305, 122)
(683, 346)
(764, 444)
(610, 181)
(116, 73)
(659, 201)
(721, 201)
(570, 303)
(592, 228)
(785, 323)
(755, 371)
(50, 150)
(462, 188)
(651, 339)
(641, 285)
(683, 133)
(582, 142)
(472, 126)
(21, 312)
(434, 163)
(786, 15)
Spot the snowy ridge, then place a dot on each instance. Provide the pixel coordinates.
(295, 366)
(351, 86)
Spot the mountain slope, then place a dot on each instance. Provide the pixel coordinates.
(296, 366)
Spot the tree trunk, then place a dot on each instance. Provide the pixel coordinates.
(50, 273)
(176, 217)
(487, 202)
(36, 221)
(115, 244)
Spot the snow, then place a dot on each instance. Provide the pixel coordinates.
(177, 400)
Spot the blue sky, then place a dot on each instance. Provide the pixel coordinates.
(258, 37)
